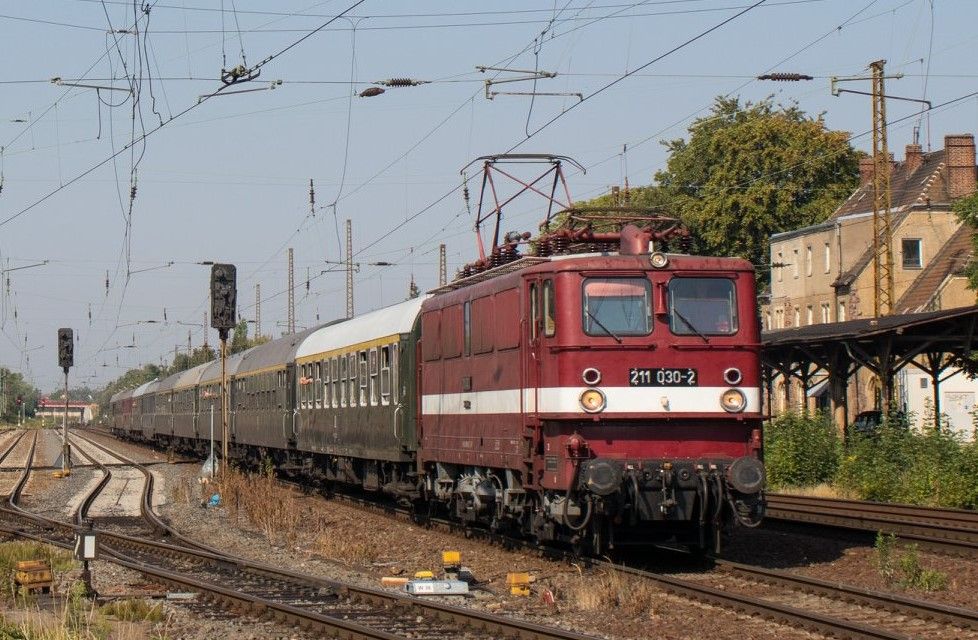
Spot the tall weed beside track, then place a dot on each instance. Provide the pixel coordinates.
(800, 450)
(263, 502)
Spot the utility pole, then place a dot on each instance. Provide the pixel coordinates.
(883, 290)
(442, 266)
(883, 296)
(291, 312)
(257, 310)
(349, 268)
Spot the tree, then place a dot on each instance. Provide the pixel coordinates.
(14, 386)
(748, 171)
(241, 342)
(967, 211)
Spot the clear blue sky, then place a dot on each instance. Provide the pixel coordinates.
(228, 180)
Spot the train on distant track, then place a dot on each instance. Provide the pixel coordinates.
(595, 391)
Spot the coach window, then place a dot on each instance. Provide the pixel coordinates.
(352, 366)
(334, 370)
(364, 378)
(702, 306)
(343, 376)
(549, 309)
(385, 375)
(327, 386)
(319, 384)
(467, 324)
(374, 383)
(617, 307)
(534, 311)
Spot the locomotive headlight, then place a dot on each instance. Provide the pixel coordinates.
(658, 260)
(593, 400)
(733, 400)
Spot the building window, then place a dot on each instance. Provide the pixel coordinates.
(779, 265)
(810, 315)
(841, 315)
(808, 260)
(828, 257)
(767, 321)
(779, 319)
(923, 383)
(797, 315)
(794, 264)
(826, 312)
(912, 254)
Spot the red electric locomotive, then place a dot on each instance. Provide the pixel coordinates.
(593, 390)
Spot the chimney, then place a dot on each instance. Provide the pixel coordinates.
(914, 158)
(866, 171)
(959, 157)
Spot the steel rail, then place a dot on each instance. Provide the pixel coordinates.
(892, 602)
(12, 446)
(765, 608)
(153, 554)
(953, 531)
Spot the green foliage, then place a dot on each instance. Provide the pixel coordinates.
(241, 342)
(967, 210)
(800, 450)
(748, 171)
(898, 465)
(10, 631)
(13, 385)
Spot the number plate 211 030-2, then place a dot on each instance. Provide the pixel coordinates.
(662, 377)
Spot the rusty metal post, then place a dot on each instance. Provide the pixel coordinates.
(224, 403)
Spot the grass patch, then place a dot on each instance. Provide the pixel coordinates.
(134, 610)
(611, 589)
(276, 510)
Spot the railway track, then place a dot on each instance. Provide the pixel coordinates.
(316, 604)
(952, 531)
(833, 609)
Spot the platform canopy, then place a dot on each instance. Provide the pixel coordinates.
(933, 342)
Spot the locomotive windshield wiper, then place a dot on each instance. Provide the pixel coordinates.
(606, 329)
(690, 325)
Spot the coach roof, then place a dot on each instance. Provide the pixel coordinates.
(389, 321)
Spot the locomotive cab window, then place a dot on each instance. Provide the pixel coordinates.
(704, 306)
(617, 307)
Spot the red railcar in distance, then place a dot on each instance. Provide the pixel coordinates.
(600, 399)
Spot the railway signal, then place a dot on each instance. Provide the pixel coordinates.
(66, 360)
(224, 296)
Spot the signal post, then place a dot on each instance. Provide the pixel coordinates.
(66, 359)
(224, 296)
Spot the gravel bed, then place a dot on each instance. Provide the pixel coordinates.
(360, 547)
(347, 543)
(58, 497)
